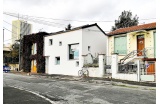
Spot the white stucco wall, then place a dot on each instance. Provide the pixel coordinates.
(66, 67)
(94, 38)
(130, 77)
(94, 72)
(85, 37)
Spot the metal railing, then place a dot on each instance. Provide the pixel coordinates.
(147, 52)
(127, 68)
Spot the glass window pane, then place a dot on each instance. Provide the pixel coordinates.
(120, 45)
(74, 51)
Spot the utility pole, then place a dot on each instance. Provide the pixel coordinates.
(20, 53)
(3, 36)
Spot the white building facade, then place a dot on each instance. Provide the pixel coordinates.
(64, 50)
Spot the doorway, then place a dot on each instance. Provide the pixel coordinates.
(140, 44)
(34, 66)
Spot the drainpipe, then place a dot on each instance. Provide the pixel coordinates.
(107, 51)
(3, 36)
(20, 53)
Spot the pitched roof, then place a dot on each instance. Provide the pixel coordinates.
(133, 28)
(77, 28)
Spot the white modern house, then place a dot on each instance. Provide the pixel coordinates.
(64, 50)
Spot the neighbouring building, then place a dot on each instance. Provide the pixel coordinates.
(33, 59)
(135, 42)
(8, 59)
(64, 50)
(20, 27)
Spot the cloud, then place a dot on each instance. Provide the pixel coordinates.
(84, 10)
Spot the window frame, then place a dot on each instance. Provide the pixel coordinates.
(34, 48)
(57, 62)
(89, 48)
(120, 53)
(60, 43)
(50, 42)
(69, 55)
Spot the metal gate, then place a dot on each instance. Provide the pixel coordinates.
(148, 71)
(129, 68)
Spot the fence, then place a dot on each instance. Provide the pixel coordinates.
(148, 72)
(91, 61)
(94, 65)
(108, 63)
(129, 68)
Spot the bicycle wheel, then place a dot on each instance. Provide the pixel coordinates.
(87, 73)
(80, 73)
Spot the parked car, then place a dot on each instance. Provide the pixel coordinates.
(6, 68)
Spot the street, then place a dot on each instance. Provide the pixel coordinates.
(16, 96)
(47, 90)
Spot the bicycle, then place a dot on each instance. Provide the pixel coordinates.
(83, 72)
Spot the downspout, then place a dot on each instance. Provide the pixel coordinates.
(107, 49)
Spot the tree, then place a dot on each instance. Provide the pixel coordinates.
(15, 51)
(125, 20)
(68, 27)
(13, 55)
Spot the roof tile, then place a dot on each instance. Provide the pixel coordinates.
(133, 28)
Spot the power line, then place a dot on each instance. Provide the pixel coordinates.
(10, 30)
(23, 29)
(10, 24)
(41, 21)
(49, 23)
(27, 16)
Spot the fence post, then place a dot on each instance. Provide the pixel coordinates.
(138, 70)
(114, 66)
(101, 65)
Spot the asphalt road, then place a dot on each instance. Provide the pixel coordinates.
(73, 92)
(16, 96)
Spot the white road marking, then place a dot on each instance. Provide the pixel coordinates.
(52, 102)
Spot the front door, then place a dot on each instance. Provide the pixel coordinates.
(34, 66)
(140, 44)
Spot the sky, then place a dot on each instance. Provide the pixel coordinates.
(60, 13)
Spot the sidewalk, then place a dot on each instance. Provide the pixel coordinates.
(106, 81)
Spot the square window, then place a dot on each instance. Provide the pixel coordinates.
(34, 48)
(74, 51)
(50, 42)
(89, 48)
(57, 60)
(60, 43)
(120, 45)
(77, 63)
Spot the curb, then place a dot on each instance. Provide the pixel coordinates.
(87, 79)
